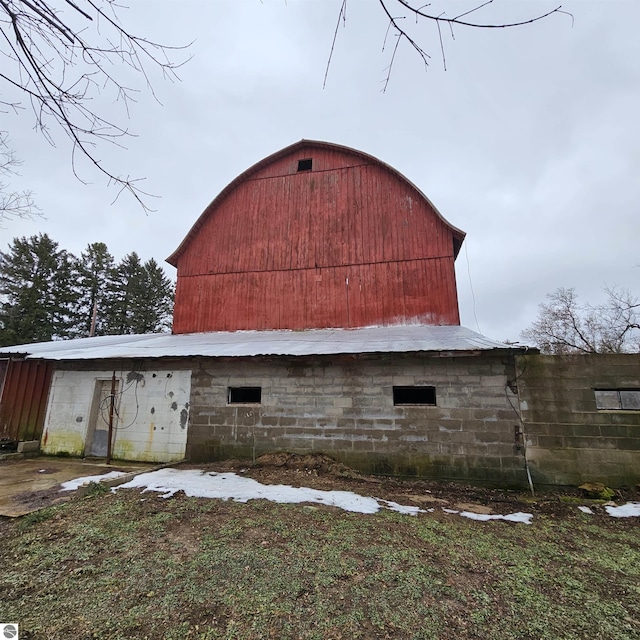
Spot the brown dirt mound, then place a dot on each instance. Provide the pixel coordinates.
(317, 462)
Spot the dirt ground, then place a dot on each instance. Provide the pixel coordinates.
(29, 484)
(322, 472)
(41, 485)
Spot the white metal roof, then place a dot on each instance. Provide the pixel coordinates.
(395, 339)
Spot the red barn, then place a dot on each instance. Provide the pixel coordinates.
(317, 235)
(327, 240)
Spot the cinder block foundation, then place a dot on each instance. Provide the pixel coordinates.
(343, 406)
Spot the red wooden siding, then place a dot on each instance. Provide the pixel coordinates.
(349, 243)
(24, 399)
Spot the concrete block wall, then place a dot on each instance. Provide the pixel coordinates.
(569, 440)
(343, 406)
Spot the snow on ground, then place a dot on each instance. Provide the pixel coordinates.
(525, 518)
(629, 510)
(72, 485)
(229, 486)
(225, 486)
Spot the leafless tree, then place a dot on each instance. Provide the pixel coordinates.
(408, 20)
(60, 55)
(13, 204)
(566, 326)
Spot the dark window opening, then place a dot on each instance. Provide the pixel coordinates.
(245, 395)
(305, 165)
(414, 395)
(621, 399)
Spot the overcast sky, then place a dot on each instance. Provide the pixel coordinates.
(529, 142)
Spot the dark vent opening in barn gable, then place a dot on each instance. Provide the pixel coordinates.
(305, 165)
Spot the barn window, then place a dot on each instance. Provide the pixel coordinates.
(414, 395)
(244, 395)
(305, 165)
(625, 399)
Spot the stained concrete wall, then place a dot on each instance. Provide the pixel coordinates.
(570, 441)
(151, 419)
(343, 406)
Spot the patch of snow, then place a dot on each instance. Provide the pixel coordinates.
(72, 485)
(229, 486)
(394, 506)
(585, 510)
(525, 518)
(629, 510)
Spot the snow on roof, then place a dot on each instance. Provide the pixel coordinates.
(236, 344)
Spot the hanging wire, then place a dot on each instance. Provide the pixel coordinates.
(105, 404)
(473, 295)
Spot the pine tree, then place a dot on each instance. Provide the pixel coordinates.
(143, 300)
(128, 295)
(38, 291)
(48, 294)
(156, 314)
(97, 273)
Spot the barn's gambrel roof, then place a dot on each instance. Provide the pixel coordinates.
(458, 234)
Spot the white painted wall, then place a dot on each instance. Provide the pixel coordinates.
(151, 421)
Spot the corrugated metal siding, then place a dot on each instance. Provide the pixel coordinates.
(278, 250)
(24, 399)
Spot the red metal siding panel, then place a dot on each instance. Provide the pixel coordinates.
(24, 399)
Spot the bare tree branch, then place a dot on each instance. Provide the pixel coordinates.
(13, 204)
(564, 326)
(62, 54)
(341, 16)
(398, 10)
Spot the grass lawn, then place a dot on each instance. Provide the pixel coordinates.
(134, 565)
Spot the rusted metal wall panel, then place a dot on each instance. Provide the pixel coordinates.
(24, 399)
(346, 244)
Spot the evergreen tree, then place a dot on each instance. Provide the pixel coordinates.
(155, 312)
(38, 291)
(142, 300)
(128, 295)
(48, 294)
(97, 273)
